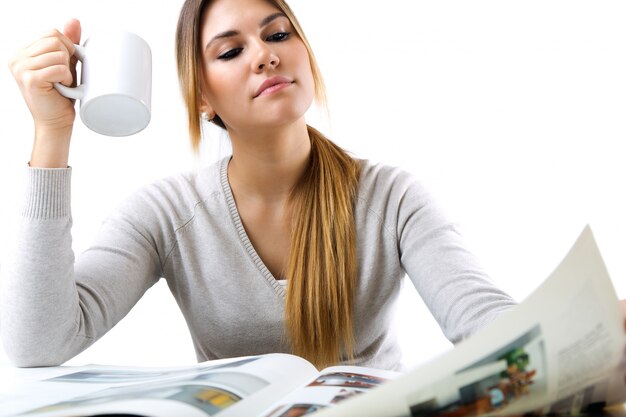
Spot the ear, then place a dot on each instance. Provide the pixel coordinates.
(205, 107)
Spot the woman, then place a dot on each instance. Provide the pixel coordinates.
(290, 245)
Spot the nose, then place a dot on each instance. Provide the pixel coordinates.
(265, 58)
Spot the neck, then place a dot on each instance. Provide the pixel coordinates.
(267, 164)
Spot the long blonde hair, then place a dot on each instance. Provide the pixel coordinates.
(322, 267)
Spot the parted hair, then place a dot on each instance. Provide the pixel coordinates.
(322, 266)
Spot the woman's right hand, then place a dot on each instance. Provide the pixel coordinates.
(48, 60)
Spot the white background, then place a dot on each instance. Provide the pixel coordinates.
(512, 113)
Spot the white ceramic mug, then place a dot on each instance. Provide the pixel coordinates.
(116, 83)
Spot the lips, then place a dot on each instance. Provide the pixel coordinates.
(272, 84)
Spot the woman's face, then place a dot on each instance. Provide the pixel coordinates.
(257, 69)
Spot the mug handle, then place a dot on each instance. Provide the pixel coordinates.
(77, 92)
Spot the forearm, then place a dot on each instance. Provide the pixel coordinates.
(449, 278)
(40, 309)
(51, 307)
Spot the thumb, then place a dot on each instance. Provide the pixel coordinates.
(72, 30)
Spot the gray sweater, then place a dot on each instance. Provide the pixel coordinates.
(186, 229)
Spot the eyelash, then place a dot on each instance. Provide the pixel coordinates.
(275, 37)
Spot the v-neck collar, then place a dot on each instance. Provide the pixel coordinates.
(241, 231)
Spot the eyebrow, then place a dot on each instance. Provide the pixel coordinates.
(230, 33)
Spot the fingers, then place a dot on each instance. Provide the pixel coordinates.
(53, 44)
(44, 78)
(46, 56)
(48, 44)
(47, 52)
(48, 59)
(55, 38)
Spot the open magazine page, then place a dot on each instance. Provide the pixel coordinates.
(332, 386)
(202, 390)
(560, 350)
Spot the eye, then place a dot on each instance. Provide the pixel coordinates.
(230, 54)
(278, 37)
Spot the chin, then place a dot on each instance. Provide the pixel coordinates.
(284, 116)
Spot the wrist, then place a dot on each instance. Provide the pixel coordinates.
(51, 147)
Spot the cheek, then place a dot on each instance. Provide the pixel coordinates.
(305, 72)
(220, 85)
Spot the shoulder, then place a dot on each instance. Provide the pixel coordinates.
(376, 170)
(393, 197)
(384, 185)
(175, 197)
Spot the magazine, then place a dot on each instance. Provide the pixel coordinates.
(560, 351)
(249, 386)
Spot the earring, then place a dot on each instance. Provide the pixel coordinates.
(205, 117)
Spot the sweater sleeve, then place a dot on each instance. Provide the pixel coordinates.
(53, 307)
(448, 277)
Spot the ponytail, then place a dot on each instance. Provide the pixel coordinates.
(322, 267)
